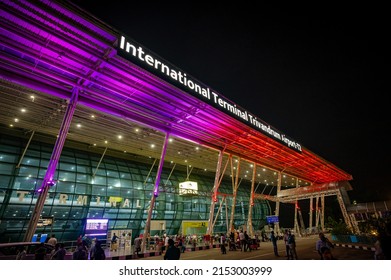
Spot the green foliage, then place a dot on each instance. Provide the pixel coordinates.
(375, 226)
(338, 227)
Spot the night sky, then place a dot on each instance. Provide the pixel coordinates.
(319, 77)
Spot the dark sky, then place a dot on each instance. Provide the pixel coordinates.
(319, 77)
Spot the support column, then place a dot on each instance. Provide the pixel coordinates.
(311, 211)
(209, 229)
(317, 212)
(25, 149)
(99, 162)
(345, 214)
(48, 178)
(155, 194)
(322, 213)
(277, 212)
(251, 204)
(235, 191)
(296, 223)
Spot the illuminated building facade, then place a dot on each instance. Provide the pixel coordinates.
(77, 93)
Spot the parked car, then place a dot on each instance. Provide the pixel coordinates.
(9, 251)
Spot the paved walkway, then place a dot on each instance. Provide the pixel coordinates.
(127, 253)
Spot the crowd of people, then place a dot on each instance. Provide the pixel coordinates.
(171, 247)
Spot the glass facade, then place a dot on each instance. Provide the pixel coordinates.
(120, 191)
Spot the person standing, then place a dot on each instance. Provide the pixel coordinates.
(173, 252)
(137, 245)
(40, 252)
(242, 241)
(114, 243)
(292, 246)
(22, 252)
(287, 250)
(323, 247)
(98, 253)
(80, 253)
(52, 240)
(273, 239)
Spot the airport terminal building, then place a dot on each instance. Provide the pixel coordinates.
(98, 132)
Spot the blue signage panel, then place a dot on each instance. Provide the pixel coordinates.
(272, 219)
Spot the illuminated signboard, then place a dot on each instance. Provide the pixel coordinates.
(272, 219)
(151, 62)
(96, 227)
(45, 221)
(188, 188)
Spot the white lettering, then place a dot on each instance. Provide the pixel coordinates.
(82, 199)
(179, 77)
(126, 203)
(63, 198)
(21, 195)
(149, 59)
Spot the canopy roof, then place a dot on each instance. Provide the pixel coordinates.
(50, 49)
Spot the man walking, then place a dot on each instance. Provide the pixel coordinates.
(273, 239)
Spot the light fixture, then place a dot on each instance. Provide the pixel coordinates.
(60, 55)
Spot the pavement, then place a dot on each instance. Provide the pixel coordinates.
(127, 253)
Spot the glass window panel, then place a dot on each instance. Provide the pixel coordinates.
(112, 191)
(4, 181)
(137, 185)
(95, 213)
(28, 171)
(124, 214)
(81, 188)
(67, 167)
(115, 182)
(83, 178)
(26, 183)
(8, 158)
(12, 225)
(110, 166)
(123, 168)
(44, 163)
(98, 190)
(100, 171)
(122, 224)
(32, 152)
(81, 161)
(83, 169)
(99, 180)
(134, 171)
(126, 183)
(9, 149)
(65, 187)
(186, 215)
(30, 161)
(67, 176)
